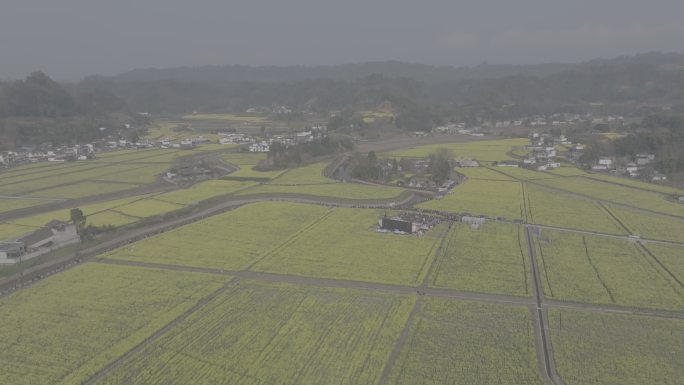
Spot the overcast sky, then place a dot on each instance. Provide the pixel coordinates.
(70, 39)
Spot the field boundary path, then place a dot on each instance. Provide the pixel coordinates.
(544, 348)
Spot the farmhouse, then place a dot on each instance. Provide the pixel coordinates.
(55, 233)
(11, 250)
(468, 163)
(396, 225)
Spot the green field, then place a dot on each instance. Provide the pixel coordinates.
(232, 240)
(523, 173)
(590, 269)
(66, 328)
(260, 333)
(361, 254)
(486, 150)
(483, 173)
(617, 194)
(246, 161)
(482, 197)
(454, 342)
(305, 175)
(202, 191)
(672, 257)
(491, 259)
(16, 204)
(635, 183)
(649, 225)
(329, 190)
(616, 349)
(552, 208)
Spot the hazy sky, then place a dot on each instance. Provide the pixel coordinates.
(72, 38)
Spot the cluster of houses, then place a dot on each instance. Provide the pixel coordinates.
(636, 168)
(255, 144)
(46, 153)
(541, 121)
(53, 235)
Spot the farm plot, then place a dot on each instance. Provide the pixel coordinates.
(523, 173)
(246, 162)
(329, 190)
(10, 231)
(616, 349)
(203, 191)
(82, 189)
(16, 204)
(650, 225)
(64, 329)
(567, 171)
(581, 268)
(483, 197)
(617, 194)
(670, 256)
(635, 183)
(345, 245)
(137, 173)
(552, 208)
(228, 241)
(492, 259)
(305, 175)
(260, 333)
(147, 208)
(227, 118)
(486, 150)
(483, 173)
(455, 342)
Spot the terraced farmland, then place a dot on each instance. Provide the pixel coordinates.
(483, 197)
(362, 254)
(454, 342)
(491, 259)
(616, 349)
(68, 327)
(260, 333)
(600, 270)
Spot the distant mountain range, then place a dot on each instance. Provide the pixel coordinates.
(218, 75)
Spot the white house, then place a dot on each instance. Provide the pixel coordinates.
(608, 162)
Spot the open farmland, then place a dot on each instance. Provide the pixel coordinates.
(617, 194)
(635, 183)
(486, 150)
(202, 191)
(361, 254)
(454, 342)
(68, 327)
(246, 162)
(590, 269)
(16, 204)
(491, 259)
(650, 225)
(523, 174)
(232, 240)
(483, 173)
(566, 171)
(329, 190)
(305, 175)
(551, 208)
(616, 349)
(483, 197)
(259, 333)
(672, 257)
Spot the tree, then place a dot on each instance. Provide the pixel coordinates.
(77, 218)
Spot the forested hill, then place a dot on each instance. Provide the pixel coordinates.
(393, 69)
